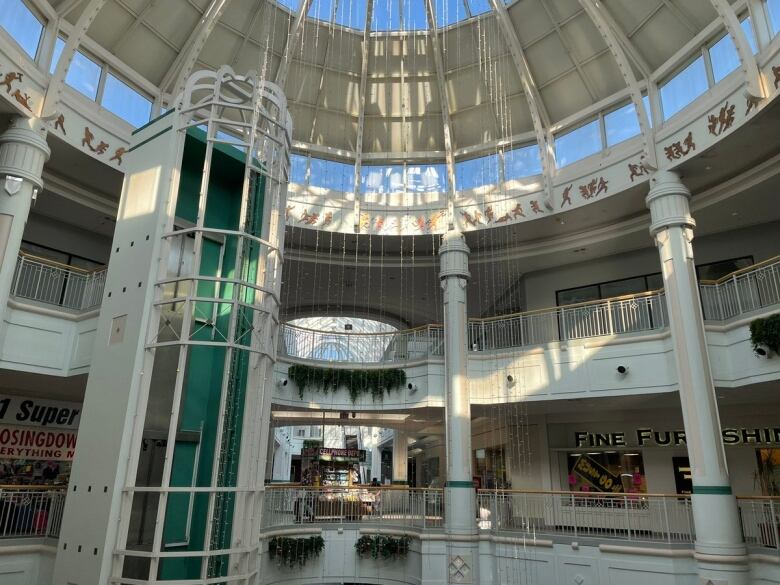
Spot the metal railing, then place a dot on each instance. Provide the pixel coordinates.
(760, 517)
(47, 281)
(284, 506)
(627, 314)
(742, 291)
(635, 517)
(368, 348)
(30, 511)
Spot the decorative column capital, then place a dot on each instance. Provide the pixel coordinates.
(23, 150)
(668, 201)
(454, 254)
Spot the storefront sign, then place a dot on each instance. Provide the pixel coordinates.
(31, 443)
(597, 475)
(40, 413)
(329, 454)
(652, 438)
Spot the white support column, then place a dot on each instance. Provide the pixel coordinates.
(23, 151)
(720, 549)
(400, 458)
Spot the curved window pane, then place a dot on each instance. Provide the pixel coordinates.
(321, 9)
(426, 178)
(747, 27)
(648, 109)
(578, 144)
(773, 6)
(476, 172)
(331, 175)
(414, 16)
(449, 11)
(479, 6)
(299, 166)
(386, 15)
(122, 100)
(335, 339)
(724, 58)
(522, 162)
(22, 25)
(683, 88)
(621, 124)
(351, 14)
(382, 179)
(83, 75)
(59, 44)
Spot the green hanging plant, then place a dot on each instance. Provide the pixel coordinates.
(295, 551)
(386, 547)
(357, 382)
(766, 332)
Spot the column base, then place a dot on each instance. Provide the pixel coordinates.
(723, 570)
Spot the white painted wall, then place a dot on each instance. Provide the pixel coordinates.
(46, 231)
(26, 563)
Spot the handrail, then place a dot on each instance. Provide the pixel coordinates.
(744, 270)
(56, 264)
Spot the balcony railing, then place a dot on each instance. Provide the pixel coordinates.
(366, 348)
(760, 518)
(46, 281)
(743, 291)
(30, 511)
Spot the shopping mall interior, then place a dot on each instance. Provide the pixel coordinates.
(389, 292)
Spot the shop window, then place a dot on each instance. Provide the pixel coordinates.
(477, 172)
(621, 124)
(578, 144)
(21, 23)
(684, 87)
(122, 100)
(768, 475)
(773, 8)
(522, 162)
(618, 472)
(490, 468)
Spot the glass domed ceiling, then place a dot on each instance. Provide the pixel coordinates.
(391, 15)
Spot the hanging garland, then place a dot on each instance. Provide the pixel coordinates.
(358, 382)
(766, 332)
(290, 551)
(387, 547)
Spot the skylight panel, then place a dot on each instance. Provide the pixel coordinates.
(684, 87)
(84, 75)
(351, 13)
(479, 7)
(59, 44)
(773, 7)
(522, 162)
(724, 58)
(23, 26)
(321, 9)
(331, 175)
(291, 4)
(122, 100)
(621, 124)
(427, 178)
(386, 16)
(578, 144)
(449, 12)
(477, 172)
(414, 15)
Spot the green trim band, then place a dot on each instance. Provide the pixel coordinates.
(150, 122)
(712, 490)
(459, 484)
(140, 144)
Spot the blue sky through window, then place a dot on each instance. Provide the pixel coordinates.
(773, 7)
(621, 124)
(684, 87)
(476, 172)
(578, 144)
(122, 100)
(522, 162)
(19, 22)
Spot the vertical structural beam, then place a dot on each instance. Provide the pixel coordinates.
(758, 16)
(54, 91)
(23, 151)
(593, 8)
(539, 116)
(445, 112)
(362, 112)
(753, 85)
(177, 75)
(720, 549)
(292, 43)
(400, 458)
(454, 275)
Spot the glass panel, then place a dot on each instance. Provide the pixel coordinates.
(22, 25)
(773, 6)
(648, 109)
(621, 124)
(382, 179)
(386, 16)
(426, 178)
(578, 144)
(321, 9)
(59, 44)
(449, 11)
(655, 282)
(298, 163)
(291, 4)
(479, 7)
(629, 467)
(477, 172)
(351, 13)
(716, 270)
(84, 75)
(626, 286)
(747, 26)
(577, 295)
(125, 102)
(724, 58)
(522, 162)
(414, 15)
(331, 175)
(683, 88)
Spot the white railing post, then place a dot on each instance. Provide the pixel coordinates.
(736, 294)
(609, 317)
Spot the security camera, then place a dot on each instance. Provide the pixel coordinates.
(622, 370)
(281, 383)
(762, 351)
(510, 379)
(411, 387)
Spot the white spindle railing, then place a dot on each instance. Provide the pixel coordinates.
(49, 282)
(760, 518)
(29, 511)
(368, 348)
(742, 292)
